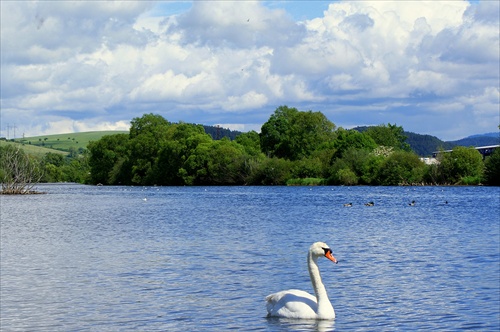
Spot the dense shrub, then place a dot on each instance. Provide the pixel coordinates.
(492, 169)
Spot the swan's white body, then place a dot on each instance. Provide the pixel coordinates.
(298, 304)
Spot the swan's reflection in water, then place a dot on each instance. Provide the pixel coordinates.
(287, 324)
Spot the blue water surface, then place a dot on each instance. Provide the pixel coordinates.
(85, 258)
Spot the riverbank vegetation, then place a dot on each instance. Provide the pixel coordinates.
(19, 172)
(293, 148)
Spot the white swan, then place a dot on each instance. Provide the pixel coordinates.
(298, 304)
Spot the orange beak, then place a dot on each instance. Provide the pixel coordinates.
(330, 257)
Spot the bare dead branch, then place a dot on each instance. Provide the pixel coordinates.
(19, 172)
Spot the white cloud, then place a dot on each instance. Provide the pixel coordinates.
(245, 24)
(429, 82)
(250, 100)
(485, 106)
(64, 126)
(72, 63)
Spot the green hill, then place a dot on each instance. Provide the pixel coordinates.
(64, 142)
(37, 151)
(479, 140)
(425, 145)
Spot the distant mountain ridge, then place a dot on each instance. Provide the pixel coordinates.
(479, 140)
(487, 134)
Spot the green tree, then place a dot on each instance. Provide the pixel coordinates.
(183, 142)
(216, 162)
(371, 167)
(195, 170)
(58, 168)
(149, 124)
(55, 159)
(363, 163)
(293, 135)
(226, 163)
(250, 142)
(324, 154)
(75, 170)
(363, 166)
(51, 164)
(147, 136)
(271, 171)
(309, 131)
(461, 166)
(351, 139)
(307, 168)
(401, 168)
(73, 152)
(105, 155)
(390, 135)
(333, 172)
(51, 173)
(492, 168)
(346, 177)
(275, 134)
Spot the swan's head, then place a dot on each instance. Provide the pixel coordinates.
(320, 249)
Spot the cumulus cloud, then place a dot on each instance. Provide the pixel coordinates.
(84, 65)
(246, 24)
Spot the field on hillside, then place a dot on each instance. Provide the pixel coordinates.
(65, 142)
(37, 151)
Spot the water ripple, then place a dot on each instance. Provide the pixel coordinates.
(191, 258)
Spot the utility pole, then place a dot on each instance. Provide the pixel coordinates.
(9, 127)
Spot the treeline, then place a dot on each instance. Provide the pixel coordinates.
(217, 132)
(293, 147)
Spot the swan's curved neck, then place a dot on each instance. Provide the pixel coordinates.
(324, 305)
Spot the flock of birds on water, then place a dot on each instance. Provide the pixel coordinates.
(371, 203)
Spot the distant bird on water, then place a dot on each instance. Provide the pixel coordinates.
(412, 203)
(369, 204)
(348, 204)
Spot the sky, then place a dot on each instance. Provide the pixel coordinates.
(432, 67)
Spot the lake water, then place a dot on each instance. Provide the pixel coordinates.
(84, 258)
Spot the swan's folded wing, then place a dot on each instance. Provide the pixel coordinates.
(291, 303)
